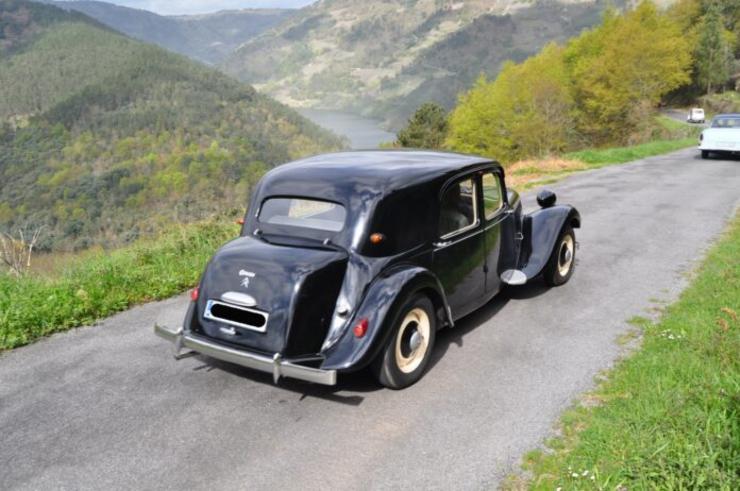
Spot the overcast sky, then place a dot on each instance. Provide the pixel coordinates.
(173, 7)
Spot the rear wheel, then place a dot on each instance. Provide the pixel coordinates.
(406, 355)
(562, 262)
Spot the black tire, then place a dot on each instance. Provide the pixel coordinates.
(705, 154)
(389, 367)
(562, 262)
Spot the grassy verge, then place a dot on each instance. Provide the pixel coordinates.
(668, 416)
(619, 155)
(99, 284)
(531, 173)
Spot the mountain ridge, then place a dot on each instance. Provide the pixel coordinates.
(104, 138)
(335, 55)
(208, 38)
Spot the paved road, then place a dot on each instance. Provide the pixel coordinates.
(680, 115)
(107, 407)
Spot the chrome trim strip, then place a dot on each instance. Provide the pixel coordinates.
(238, 298)
(275, 365)
(208, 315)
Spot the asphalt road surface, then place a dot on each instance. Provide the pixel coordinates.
(107, 407)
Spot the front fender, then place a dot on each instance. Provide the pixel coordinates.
(379, 307)
(541, 231)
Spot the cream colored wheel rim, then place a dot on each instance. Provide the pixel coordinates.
(412, 340)
(565, 255)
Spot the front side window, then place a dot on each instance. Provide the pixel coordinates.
(305, 213)
(458, 210)
(492, 196)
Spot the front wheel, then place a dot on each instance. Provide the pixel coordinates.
(705, 154)
(406, 355)
(562, 262)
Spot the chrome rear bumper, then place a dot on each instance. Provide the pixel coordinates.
(275, 365)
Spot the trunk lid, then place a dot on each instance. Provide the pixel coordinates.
(269, 297)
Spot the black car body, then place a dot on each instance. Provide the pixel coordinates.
(336, 249)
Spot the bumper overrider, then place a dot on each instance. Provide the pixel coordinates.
(276, 365)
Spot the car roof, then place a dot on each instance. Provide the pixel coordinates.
(380, 168)
(728, 115)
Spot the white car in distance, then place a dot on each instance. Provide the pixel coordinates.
(696, 115)
(722, 136)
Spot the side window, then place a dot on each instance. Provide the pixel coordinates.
(458, 210)
(492, 196)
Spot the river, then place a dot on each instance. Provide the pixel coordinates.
(360, 131)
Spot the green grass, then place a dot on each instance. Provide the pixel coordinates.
(99, 284)
(619, 155)
(668, 416)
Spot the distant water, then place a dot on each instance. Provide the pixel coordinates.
(361, 132)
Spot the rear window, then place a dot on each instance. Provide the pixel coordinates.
(724, 122)
(304, 213)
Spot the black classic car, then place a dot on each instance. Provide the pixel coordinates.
(355, 259)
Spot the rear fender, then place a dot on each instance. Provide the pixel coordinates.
(380, 307)
(541, 230)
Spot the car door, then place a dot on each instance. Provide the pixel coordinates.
(494, 217)
(459, 250)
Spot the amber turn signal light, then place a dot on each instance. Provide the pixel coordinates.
(240, 221)
(377, 238)
(194, 294)
(361, 328)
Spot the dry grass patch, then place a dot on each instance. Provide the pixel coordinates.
(528, 172)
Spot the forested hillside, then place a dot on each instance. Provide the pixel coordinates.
(104, 138)
(209, 38)
(386, 58)
(602, 88)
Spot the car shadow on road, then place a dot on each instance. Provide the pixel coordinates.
(456, 335)
(305, 389)
(718, 157)
(350, 386)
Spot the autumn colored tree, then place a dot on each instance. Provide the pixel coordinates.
(526, 111)
(621, 69)
(427, 128)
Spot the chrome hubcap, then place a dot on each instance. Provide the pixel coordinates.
(565, 255)
(412, 340)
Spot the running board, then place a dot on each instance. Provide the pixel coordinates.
(513, 277)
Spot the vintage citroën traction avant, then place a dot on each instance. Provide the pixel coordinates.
(355, 259)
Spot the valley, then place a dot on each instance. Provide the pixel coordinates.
(385, 59)
(105, 139)
(209, 38)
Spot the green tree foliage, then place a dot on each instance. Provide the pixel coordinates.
(107, 138)
(601, 88)
(622, 69)
(524, 112)
(713, 51)
(427, 128)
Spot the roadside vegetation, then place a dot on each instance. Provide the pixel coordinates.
(601, 89)
(667, 416)
(94, 284)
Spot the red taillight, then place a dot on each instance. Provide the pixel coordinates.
(361, 328)
(194, 294)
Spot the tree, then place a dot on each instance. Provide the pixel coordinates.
(713, 51)
(427, 128)
(16, 253)
(628, 62)
(525, 112)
